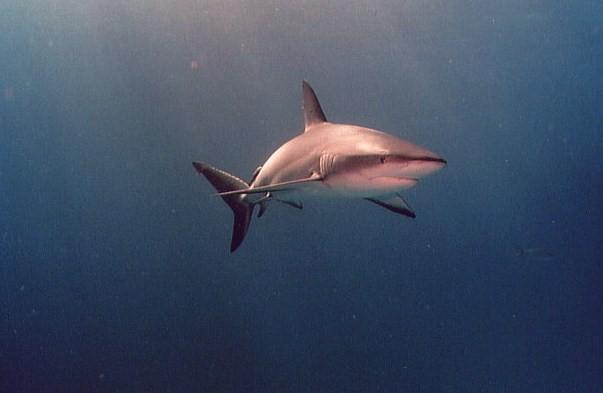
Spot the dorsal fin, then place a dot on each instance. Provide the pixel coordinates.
(313, 113)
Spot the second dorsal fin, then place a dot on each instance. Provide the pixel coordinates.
(313, 113)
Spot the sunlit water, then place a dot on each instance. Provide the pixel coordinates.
(114, 263)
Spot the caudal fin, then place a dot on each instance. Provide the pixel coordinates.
(242, 210)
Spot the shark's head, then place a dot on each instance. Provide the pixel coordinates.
(378, 162)
(399, 158)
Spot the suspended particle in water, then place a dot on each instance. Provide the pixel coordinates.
(9, 93)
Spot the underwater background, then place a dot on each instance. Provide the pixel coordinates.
(115, 274)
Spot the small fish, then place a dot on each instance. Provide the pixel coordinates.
(538, 253)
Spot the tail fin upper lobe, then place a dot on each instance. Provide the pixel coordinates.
(242, 210)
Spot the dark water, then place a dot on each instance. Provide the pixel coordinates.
(114, 264)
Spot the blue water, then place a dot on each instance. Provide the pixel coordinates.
(115, 274)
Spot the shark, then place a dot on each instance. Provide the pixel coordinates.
(326, 160)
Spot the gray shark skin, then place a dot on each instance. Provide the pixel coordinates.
(327, 160)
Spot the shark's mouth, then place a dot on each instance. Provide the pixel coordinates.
(417, 168)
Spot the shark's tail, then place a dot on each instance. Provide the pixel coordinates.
(242, 210)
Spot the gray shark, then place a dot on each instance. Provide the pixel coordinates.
(327, 160)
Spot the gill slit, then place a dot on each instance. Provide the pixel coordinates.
(325, 164)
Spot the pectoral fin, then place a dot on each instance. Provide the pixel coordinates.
(395, 204)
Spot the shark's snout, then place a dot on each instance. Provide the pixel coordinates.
(434, 160)
(421, 167)
(414, 162)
